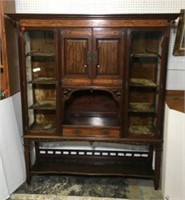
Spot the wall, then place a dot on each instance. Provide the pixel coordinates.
(173, 170)
(12, 169)
(176, 67)
(99, 6)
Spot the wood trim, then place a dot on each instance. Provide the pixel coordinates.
(5, 6)
(175, 99)
(9, 6)
(91, 23)
(179, 49)
(175, 93)
(4, 81)
(167, 16)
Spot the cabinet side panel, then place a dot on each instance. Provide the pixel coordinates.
(12, 55)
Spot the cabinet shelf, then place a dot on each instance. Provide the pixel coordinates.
(139, 82)
(44, 127)
(142, 130)
(43, 80)
(93, 167)
(87, 162)
(44, 105)
(141, 107)
(146, 55)
(40, 54)
(92, 120)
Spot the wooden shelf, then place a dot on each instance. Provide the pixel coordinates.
(93, 165)
(43, 80)
(44, 105)
(40, 54)
(45, 127)
(141, 107)
(92, 120)
(142, 130)
(139, 82)
(146, 55)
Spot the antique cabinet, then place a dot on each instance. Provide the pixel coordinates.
(95, 78)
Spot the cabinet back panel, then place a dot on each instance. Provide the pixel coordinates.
(142, 96)
(146, 41)
(143, 70)
(91, 102)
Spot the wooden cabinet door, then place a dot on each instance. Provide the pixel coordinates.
(75, 54)
(108, 56)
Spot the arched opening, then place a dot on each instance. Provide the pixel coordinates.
(91, 107)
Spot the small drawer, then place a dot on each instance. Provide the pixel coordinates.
(91, 132)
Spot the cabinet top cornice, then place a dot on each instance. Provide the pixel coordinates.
(167, 16)
(82, 20)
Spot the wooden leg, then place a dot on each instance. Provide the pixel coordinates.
(27, 160)
(157, 173)
(36, 146)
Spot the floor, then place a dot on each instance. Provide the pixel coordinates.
(86, 188)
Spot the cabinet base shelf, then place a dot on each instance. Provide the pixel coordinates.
(77, 167)
(108, 163)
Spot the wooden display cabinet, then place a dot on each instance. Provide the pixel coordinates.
(146, 75)
(93, 78)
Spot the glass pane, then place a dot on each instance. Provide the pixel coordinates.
(144, 80)
(41, 79)
(145, 58)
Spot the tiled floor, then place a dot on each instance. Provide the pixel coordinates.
(97, 189)
(142, 190)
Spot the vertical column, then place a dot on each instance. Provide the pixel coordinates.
(27, 159)
(157, 173)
